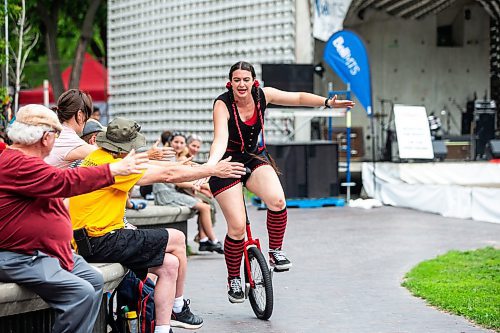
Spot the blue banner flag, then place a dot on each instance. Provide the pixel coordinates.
(346, 54)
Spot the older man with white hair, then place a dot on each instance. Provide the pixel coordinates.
(35, 228)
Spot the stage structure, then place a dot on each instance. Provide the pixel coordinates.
(468, 190)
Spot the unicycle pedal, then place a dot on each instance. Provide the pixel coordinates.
(279, 270)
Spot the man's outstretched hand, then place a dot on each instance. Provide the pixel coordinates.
(227, 169)
(131, 164)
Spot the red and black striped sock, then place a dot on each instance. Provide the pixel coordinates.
(276, 226)
(233, 252)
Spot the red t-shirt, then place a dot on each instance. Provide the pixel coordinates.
(32, 214)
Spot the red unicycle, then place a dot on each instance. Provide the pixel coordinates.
(258, 276)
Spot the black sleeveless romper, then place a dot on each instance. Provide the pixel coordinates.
(238, 150)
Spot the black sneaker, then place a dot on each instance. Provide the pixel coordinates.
(212, 247)
(279, 261)
(235, 293)
(185, 318)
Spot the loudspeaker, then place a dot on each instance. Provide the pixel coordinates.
(440, 149)
(290, 160)
(467, 118)
(307, 169)
(289, 77)
(485, 131)
(322, 170)
(492, 149)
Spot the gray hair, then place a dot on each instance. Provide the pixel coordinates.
(26, 134)
(193, 137)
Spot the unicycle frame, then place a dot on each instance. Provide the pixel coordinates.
(252, 252)
(248, 243)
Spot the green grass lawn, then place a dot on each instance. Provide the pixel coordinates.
(464, 283)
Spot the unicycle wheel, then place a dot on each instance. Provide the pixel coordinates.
(261, 294)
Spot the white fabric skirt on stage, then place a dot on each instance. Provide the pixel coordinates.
(461, 189)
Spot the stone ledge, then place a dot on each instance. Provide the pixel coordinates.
(158, 215)
(16, 299)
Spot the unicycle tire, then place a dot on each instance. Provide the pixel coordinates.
(261, 295)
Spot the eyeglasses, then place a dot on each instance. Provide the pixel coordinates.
(56, 133)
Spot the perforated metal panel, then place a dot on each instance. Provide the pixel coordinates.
(169, 59)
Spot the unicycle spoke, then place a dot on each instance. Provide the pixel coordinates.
(261, 293)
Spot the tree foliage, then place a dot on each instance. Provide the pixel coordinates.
(68, 29)
(82, 13)
(23, 41)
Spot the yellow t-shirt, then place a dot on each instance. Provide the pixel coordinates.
(102, 211)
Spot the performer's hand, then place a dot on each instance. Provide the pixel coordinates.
(340, 103)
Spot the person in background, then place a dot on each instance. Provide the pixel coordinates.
(166, 194)
(165, 137)
(89, 134)
(238, 121)
(158, 251)
(73, 109)
(90, 131)
(96, 114)
(194, 143)
(36, 231)
(147, 190)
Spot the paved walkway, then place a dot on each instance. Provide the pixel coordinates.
(348, 267)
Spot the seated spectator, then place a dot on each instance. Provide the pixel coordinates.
(36, 231)
(194, 143)
(90, 131)
(96, 114)
(147, 190)
(165, 194)
(158, 251)
(187, 195)
(89, 134)
(73, 109)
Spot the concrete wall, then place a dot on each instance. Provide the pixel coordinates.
(169, 59)
(409, 68)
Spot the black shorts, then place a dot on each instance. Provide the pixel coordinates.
(137, 250)
(219, 185)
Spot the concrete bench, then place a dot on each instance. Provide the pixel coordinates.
(161, 217)
(21, 307)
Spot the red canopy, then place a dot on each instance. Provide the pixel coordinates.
(94, 80)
